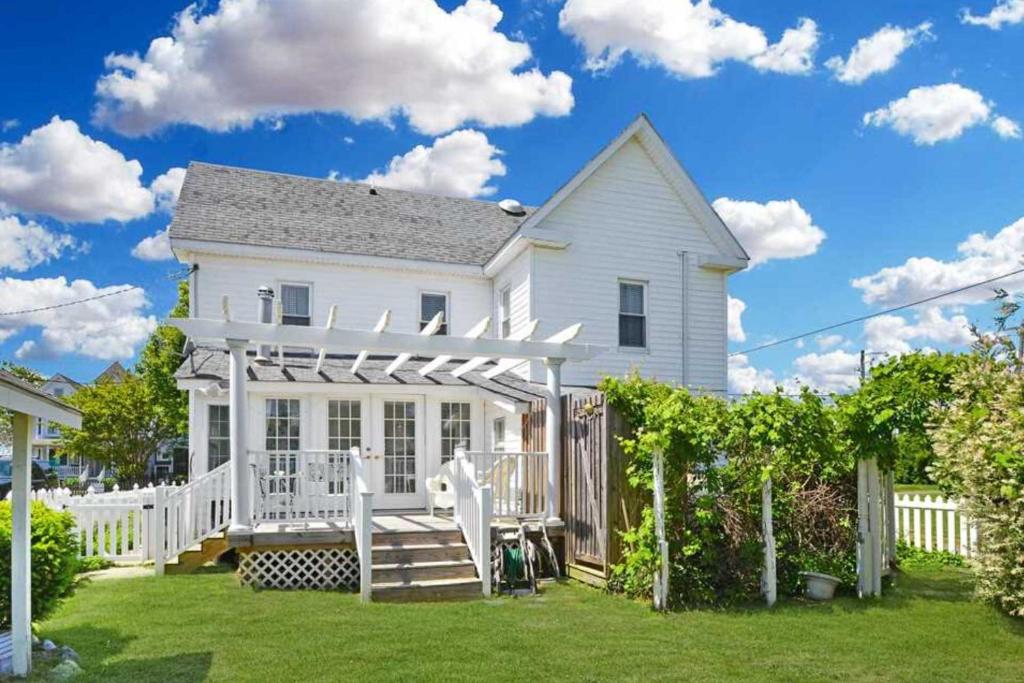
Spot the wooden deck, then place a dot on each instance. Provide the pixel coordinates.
(318, 532)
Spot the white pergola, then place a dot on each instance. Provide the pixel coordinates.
(26, 403)
(506, 353)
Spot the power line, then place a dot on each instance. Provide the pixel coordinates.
(104, 295)
(862, 318)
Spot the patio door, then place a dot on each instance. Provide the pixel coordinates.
(398, 453)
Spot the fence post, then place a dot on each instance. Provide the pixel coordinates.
(768, 583)
(159, 528)
(890, 518)
(661, 577)
(864, 580)
(875, 522)
(486, 504)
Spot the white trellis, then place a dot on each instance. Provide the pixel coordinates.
(326, 568)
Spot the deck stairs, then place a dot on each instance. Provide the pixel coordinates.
(423, 565)
(208, 550)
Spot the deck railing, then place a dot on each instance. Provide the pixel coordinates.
(473, 513)
(361, 502)
(189, 514)
(519, 481)
(290, 486)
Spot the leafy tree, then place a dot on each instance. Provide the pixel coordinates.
(159, 360)
(23, 373)
(122, 425)
(889, 416)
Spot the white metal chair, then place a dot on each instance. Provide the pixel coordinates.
(441, 488)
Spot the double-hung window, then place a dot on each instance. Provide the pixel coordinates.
(296, 305)
(432, 303)
(455, 425)
(632, 314)
(505, 311)
(218, 436)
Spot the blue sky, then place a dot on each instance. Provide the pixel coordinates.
(827, 197)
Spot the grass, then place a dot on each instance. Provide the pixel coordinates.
(204, 627)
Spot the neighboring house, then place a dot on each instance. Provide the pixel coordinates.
(629, 247)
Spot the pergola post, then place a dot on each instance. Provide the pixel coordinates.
(553, 432)
(21, 543)
(238, 416)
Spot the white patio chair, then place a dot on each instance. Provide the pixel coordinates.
(441, 488)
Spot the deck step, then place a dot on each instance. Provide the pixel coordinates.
(197, 555)
(423, 591)
(411, 554)
(414, 572)
(426, 537)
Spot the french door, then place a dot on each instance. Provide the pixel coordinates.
(398, 453)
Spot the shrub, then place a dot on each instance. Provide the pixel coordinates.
(109, 483)
(54, 559)
(93, 563)
(71, 482)
(979, 458)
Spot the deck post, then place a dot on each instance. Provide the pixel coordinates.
(21, 543)
(553, 432)
(238, 416)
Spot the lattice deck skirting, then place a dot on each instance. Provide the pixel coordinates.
(318, 568)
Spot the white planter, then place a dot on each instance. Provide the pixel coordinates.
(820, 586)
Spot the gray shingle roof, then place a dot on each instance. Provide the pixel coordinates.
(242, 206)
(211, 363)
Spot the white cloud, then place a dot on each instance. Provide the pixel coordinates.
(1005, 12)
(736, 308)
(1006, 128)
(264, 59)
(834, 371)
(459, 164)
(59, 171)
(156, 247)
(828, 341)
(934, 113)
(9, 124)
(745, 378)
(25, 245)
(893, 334)
(107, 328)
(980, 257)
(166, 188)
(877, 53)
(689, 40)
(774, 230)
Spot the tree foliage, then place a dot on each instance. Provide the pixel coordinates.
(157, 364)
(122, 425)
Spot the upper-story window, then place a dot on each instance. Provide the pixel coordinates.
(432, 303)
(295, 304)
(505, 311)
(632, 314)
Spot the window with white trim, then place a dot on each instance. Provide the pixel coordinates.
(498, 435)
(505, 311)
(283, 422)
(432, 303)
(344, 425)
(632, 314)
(455, 426)
(218, 436)
(296, 304)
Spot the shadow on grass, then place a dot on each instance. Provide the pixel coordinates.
(99, 649)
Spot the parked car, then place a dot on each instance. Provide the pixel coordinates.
(39, 477)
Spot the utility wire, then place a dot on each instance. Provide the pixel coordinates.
(862, 318)
(104, 295)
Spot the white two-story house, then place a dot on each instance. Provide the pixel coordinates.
(629, 247)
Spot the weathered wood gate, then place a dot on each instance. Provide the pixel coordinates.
(597, 502)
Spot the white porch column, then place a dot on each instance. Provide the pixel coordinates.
(553, 432)
(238, 417)
(21, 543)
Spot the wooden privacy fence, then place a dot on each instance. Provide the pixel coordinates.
(934, 523)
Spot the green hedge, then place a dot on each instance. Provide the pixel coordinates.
(54, 559)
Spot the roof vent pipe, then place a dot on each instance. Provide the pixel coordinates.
(266, 295)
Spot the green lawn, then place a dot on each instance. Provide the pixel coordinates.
(204, 627)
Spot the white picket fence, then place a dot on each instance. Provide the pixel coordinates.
(933, 524)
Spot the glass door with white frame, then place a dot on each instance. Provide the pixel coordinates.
(398, 453)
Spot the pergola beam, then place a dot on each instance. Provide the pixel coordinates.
(347, 340)
(477, 361)
(561, 337)
(331, 316)
(429, 329)
(382, 324)
(474, 332)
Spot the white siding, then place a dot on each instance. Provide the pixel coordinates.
(360, 293)
(626, 222)
(515, 276)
